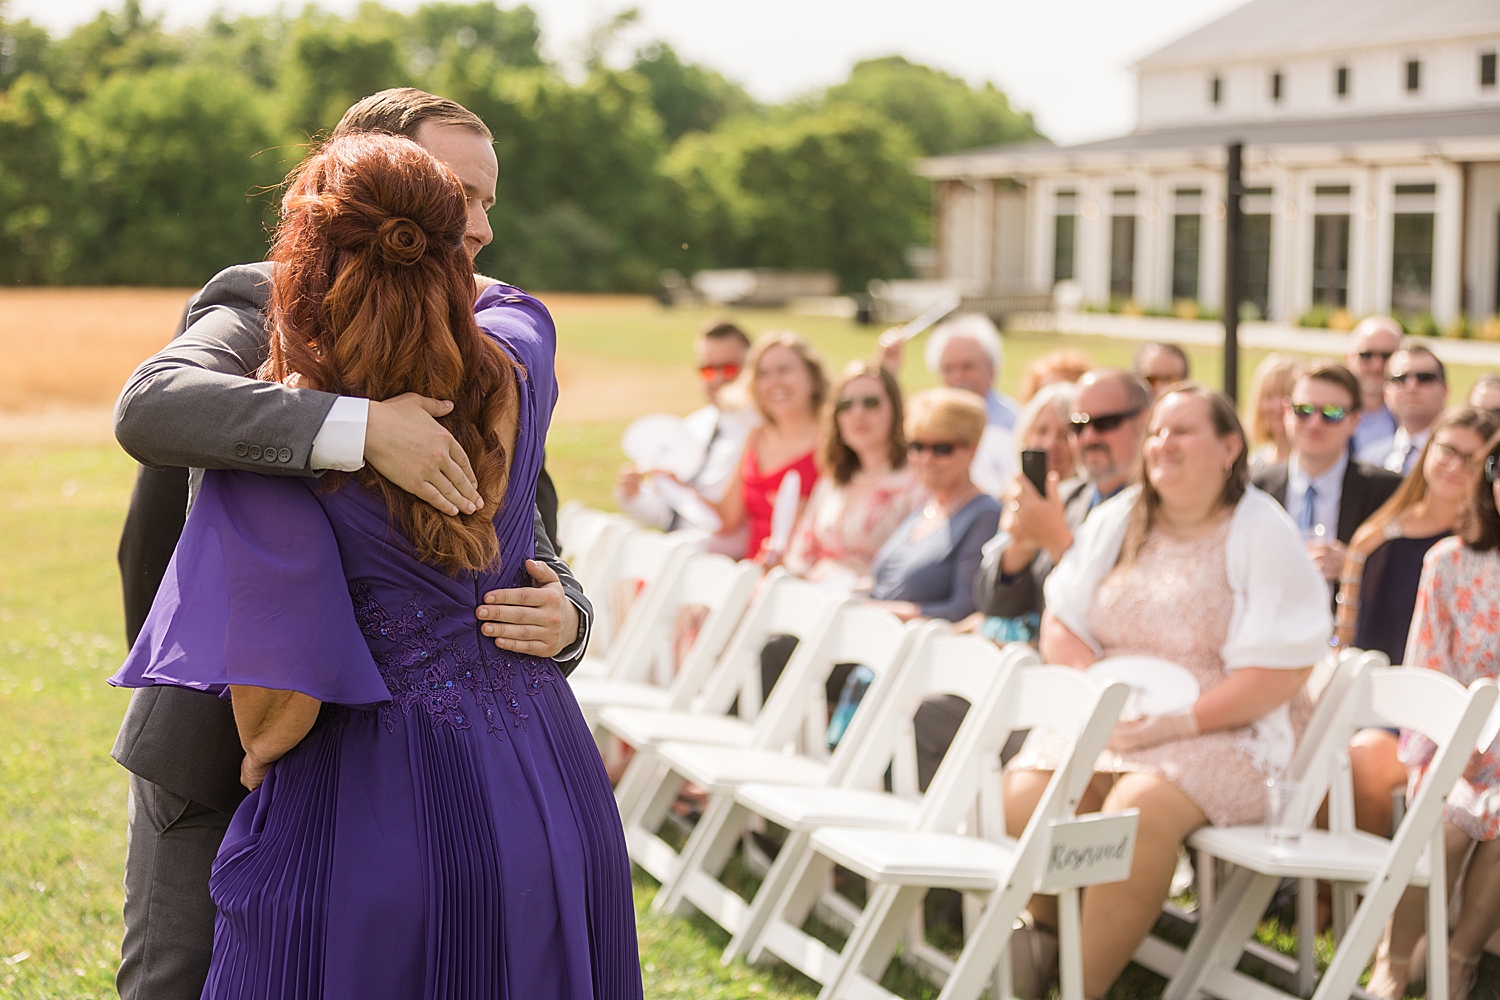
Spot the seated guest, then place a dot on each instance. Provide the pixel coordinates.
(926, 569)
(1062, 365)
(966, 353)
(1107, 424)
(1044, 427)
(1416, 390)
(787, 385)
(1264, 418)
(1454, 630)
(719, 431)
(1160, 365)
(1486, 393)
(1371, 344)
(1378, 584)
(865, 487)
(1327, 494)
(1188, 566)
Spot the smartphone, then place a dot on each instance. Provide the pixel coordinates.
(1034, 468)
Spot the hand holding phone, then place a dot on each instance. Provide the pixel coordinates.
(1034, 468)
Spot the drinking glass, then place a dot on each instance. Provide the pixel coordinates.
(1283, 808)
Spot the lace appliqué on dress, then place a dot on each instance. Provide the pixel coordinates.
(423, 670)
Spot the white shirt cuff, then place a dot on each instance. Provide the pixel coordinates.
(340, 444)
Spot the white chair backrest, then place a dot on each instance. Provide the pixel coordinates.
(566, 521)
(1429, 702)
(785, 605)
(724, 587)
(622, 589)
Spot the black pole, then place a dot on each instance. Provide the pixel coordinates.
(1233, 230)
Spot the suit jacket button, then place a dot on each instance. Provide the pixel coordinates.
(255, 453)
(270, 455)
(241, 449)
(284, 455)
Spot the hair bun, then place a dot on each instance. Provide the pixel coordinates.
(401, 241)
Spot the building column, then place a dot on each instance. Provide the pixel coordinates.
(1364, 297)
(1447, 244)
(1093, 240)
(1211, 247)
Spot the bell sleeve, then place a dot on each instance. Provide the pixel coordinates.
(1280, 618)
(255, 595)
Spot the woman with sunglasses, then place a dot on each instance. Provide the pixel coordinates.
(1455, 629)
(927, 567)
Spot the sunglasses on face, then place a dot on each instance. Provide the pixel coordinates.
(1330, 414)
(867, 403)
(1159, 380)
(1103, 423)
(725, 372)
(939, 449)
(1421, 378)
(1384, 356)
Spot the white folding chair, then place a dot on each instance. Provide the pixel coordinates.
(1380, 870)
(701, 579)
(784, 606)
(874, 639)
(902, 865)
(940, 664)
(620, 585)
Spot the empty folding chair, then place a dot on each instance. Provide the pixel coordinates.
(900, 866)
(1378, 869)
(876, 640)
(620, 586)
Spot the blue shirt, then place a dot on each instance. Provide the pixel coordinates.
(1000, 410)
(937, 571)
(1372, 438)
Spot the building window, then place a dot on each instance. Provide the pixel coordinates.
(1064, 239)
(1413, 75)
(1487, 69)
(1276, 87)
(1216, 91)
(1341, 81)
(1255, 263)
(1331, 259)
(1122, 257)
(1411, 263)
(1186, 232)
(1332, 190)
(1416, 189)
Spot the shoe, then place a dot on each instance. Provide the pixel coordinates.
(1462, 972)
(1033, 959)
(1388, 978)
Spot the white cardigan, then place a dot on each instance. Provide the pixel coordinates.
(1280, 618)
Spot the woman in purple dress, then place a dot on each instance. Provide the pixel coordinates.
(429, 815)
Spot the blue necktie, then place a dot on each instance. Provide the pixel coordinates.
(1309, 509)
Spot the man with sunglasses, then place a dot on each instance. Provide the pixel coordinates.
(1371, 345)
(720, 350)
(1327, 493)
(1107, 425)
(1416, 390)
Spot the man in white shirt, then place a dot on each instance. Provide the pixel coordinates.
(720, 348)
(1416, 390)
(1371, 345)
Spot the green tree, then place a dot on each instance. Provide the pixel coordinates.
(687, 97)
(171, 168)
(35, 199)
(110, 44)
(942, 112)
(333, 63)
(24, 48)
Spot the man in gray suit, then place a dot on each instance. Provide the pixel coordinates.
(196, 404)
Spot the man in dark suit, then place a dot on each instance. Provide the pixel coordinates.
(1328, 493)
(195, 404)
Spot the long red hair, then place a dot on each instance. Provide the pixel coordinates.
(373, 296)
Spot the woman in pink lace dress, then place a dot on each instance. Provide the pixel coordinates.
(1455, 629)
(865, 488)
(1194, 566)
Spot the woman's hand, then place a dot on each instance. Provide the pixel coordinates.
(1248, 694)
(253, 771)
(1137, 734)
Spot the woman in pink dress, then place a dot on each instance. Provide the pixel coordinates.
(787, 385)
(1196, 566)
(1455, 629)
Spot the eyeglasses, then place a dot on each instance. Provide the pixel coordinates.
(867, 403)
(1447, 453)
(1421, 378)
(1491, 470)
(939, 449)
(1155, 380)
(1330, 414)
(1384, 356)
(1103, 423)
(725, 372)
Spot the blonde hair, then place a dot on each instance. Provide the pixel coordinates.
(957, 415)
(1277, 372)
(798, 346)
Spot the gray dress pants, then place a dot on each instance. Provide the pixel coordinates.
(169, 919)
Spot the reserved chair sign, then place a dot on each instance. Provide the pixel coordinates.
(1088, 851)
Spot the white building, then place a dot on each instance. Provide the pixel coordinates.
(1372, 170)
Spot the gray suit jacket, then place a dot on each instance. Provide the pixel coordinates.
(191, 404)
(1012, 597)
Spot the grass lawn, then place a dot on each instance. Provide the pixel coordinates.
(62, 800)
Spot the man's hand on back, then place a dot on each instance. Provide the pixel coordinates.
(539, 620)
(405, 444)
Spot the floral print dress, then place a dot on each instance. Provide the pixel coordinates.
(1456, 629)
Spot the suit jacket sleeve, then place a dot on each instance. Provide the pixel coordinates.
(194, 404)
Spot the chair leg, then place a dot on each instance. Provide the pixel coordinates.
(1070, 945)
(804, 886)
(1221, 936)
(635, 781)
(986, 945)
(1355, 948)
(762, 907)
(1307, 936)
(873, 942)
(706, 850)
(1437, 916)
